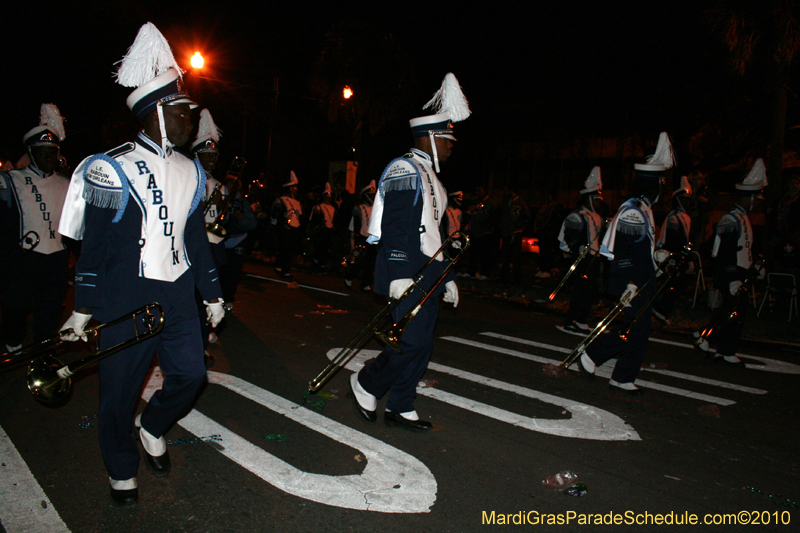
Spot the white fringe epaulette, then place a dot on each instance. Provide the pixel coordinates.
(105, 184)
(149, 56)
(400, 175)
(51, 117)
(727, 224)
(573, 221)
(632, 222)
(450, 99)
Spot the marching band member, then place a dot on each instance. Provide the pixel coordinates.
(673, 237)
(582, 228)
(205, 149)
(320, 227)
(453, 212)
(405, 225)
(285, 219)
(733, 250)
(629, 243)
(137, 210)
(31, 199)
(363, 267)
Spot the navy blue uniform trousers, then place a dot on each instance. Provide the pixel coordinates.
(399, 373)
(631, 353)
(180, 357)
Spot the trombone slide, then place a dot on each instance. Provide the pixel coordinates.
(391, 336)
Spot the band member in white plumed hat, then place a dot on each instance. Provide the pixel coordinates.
(406, 226)
(674, 235)
(34, 258)
(583, 227)
(137, 210)
(629, 243)
(734, 265)
(285, 219)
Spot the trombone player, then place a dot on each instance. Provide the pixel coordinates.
(405, 224)
(629, 243)
(734, 267)
(136, 208)
(582, 228)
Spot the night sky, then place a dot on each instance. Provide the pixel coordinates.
(533, 72)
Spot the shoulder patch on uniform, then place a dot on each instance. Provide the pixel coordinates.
(401, 174)
(120, 150)
(573, 221)
(727, 224)
(105, 184)
(631, 221)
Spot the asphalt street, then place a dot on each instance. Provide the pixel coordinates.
(707, 442)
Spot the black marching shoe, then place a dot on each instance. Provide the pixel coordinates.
(159, 465)
(124, 492)
(365, 414)
(392, 419)
(585, 371)
(125, 497)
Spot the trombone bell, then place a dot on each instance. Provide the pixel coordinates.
(44, 382)
(215, 228)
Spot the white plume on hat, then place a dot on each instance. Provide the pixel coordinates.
(756, 179)
(206, 127)
(51, 117)
(149, 56)
(450, 99)
(663, 159)
(685, 189)
(370, 188)
(292, 179)
(594, 182)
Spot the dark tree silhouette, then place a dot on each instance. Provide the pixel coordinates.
(762, 37)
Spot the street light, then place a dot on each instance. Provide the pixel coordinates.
(347, 92)
(197, 60)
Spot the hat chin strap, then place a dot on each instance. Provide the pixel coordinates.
(433, 149)
(162, 129)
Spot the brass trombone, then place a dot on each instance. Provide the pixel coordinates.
(584, 250)
(603, 324)
(672, 268)
(49, 379)
(728, 312)
(391, 336)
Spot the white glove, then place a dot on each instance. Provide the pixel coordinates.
(451, 293)
(398, 287)
(762, 273)
(76, 322)
(734, 287)
(629, 294)
(660, 256)
(215, 312)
